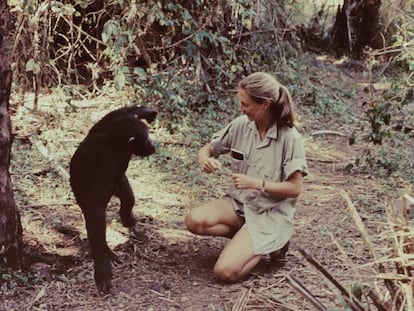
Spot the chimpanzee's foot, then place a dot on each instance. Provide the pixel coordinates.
(103, 271)
(137, 234)
(127, 219)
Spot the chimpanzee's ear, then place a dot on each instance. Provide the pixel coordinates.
(146, 113)
(131, 141)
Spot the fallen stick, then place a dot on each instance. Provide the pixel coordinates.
(354, 304)
(371, 294)
(321, 132)
(305, 293)
(377, 301)
(45, 152)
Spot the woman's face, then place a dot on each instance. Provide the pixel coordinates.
(251, 109)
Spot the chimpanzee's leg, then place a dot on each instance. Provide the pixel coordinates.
(126, 196)
(101, 254)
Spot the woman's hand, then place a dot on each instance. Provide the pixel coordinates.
(242, 181)
(210, 165)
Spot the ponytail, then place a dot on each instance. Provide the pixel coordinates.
(283, 108)
(261, 86)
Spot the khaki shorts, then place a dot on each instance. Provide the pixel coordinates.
(237, 205)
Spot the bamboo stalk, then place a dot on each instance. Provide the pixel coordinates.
(360, 225)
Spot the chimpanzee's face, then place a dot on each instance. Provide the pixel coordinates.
(141, 144)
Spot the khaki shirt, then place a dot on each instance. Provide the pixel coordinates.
(269, 219)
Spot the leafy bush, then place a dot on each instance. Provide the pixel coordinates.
(389, 112)
(180, 55)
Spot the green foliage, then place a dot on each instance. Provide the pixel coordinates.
(379, 117)
(392, 159)
(10, 279)
(154, 36)
(390, 113)
(320, 96)
(203, 45)
(390, 122)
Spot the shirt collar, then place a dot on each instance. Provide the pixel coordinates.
(271, 133)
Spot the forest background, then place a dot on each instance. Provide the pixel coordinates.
(73, 61)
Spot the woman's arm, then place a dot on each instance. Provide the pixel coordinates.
(291, 188)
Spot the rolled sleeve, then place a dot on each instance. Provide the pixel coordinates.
(295, 159)
(296, 165)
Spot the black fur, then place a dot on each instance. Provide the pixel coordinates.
(97, 172)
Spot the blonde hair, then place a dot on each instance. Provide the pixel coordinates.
(261, 86)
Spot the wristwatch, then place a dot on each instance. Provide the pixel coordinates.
(263, 186)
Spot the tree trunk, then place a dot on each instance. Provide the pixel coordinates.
(10, 225)
(356, 27)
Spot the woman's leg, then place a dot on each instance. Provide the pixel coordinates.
(216, 218)
(237, 258)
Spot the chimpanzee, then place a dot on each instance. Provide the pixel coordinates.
(97, 172)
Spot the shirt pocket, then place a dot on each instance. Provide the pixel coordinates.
(239, 163)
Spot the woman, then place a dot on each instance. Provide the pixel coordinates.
(268, 164)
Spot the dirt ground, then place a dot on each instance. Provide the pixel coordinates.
(172, 270)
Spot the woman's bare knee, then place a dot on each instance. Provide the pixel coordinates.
(216, 218)
(237, 259)
(193, 222)
(226, 273)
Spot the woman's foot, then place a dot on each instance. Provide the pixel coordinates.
(278, 258)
